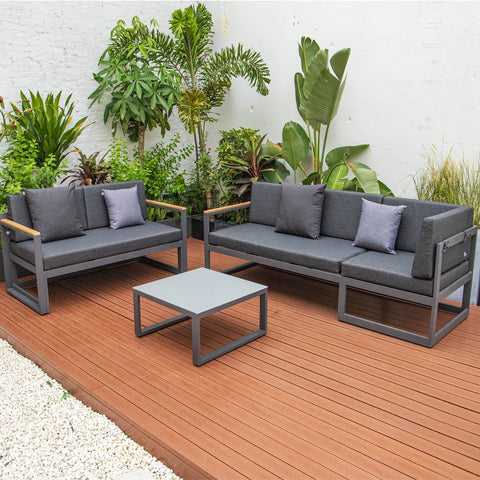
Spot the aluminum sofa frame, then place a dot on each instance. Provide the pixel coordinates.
(434, 302)
(40, 303)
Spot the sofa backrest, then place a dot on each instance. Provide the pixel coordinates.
(95, 207)
(265, 203)
(412, 219)
(341, 212)
(90, 202)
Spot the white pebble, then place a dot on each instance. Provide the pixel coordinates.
(47, 434)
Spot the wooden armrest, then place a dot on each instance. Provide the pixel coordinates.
(20, 227)
(236, 206)
(155, 203)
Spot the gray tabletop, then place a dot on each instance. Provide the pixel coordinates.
(199, 291)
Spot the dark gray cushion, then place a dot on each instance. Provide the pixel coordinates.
(341, 212)
(96, 209)
(412, 219)
(265, 203)
(17, 210)
(436, 229)
(99, 243)
(123, 207)
(300, 211)
(54, 212)
(378, 226)
(324, 253)
(395, 271)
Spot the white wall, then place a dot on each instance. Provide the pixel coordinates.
(413, 75)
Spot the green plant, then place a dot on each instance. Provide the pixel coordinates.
(158, 168)
(89, 170)
(47, 122)
(142, 91)
(206, 75)
(258, 161)
(20, 170)
(318, 91)
(443, 179)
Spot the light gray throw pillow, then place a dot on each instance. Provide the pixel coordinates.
(123, 207)
(54, 212)
(300, 210)
(378, 227)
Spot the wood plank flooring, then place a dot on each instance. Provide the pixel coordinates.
(313, 399)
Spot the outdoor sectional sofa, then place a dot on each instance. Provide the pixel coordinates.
(410, 250)
(54, 232)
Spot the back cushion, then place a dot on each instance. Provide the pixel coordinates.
(412, 219)
(265, 203)
(96, 209)
(341, 212)
(18, 211)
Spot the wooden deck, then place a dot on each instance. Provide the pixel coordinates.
(315, 398)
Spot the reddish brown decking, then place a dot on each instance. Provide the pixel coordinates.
(315, 398)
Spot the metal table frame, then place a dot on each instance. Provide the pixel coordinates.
(196, 314)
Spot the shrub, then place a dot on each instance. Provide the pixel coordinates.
(20, 170)
(443, 179)
(158, 168)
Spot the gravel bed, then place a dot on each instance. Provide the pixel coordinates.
(45, 433)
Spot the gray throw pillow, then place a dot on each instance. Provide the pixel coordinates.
(123, 207)
(378, 227)
(300, 210)
(54, 212)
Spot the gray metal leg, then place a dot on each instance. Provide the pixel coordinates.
(202, 359)
(139, 331)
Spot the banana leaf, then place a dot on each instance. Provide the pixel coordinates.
(295, 144)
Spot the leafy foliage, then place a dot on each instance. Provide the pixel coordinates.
(142, 91)
(257, 162)
(158, 168)
(318, 91)
(206, 76)
(21, 171)
(47, 122)
(89, 170)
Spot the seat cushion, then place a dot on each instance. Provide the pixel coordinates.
(395, 271)
(99, 243)
(324, 253)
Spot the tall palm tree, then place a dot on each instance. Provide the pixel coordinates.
(206, 76)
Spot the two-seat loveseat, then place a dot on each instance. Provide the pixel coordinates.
(58, 231)
(411, 250)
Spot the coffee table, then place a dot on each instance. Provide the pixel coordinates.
(196, 294)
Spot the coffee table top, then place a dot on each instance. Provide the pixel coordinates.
(199, 291)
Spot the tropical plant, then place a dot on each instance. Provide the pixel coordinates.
(19, 168)
(47, 122)
(258, 161)
(158, 168)
(206, 75)
(318, 91)
(142, 92)
(444, 179)
(89, 170)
